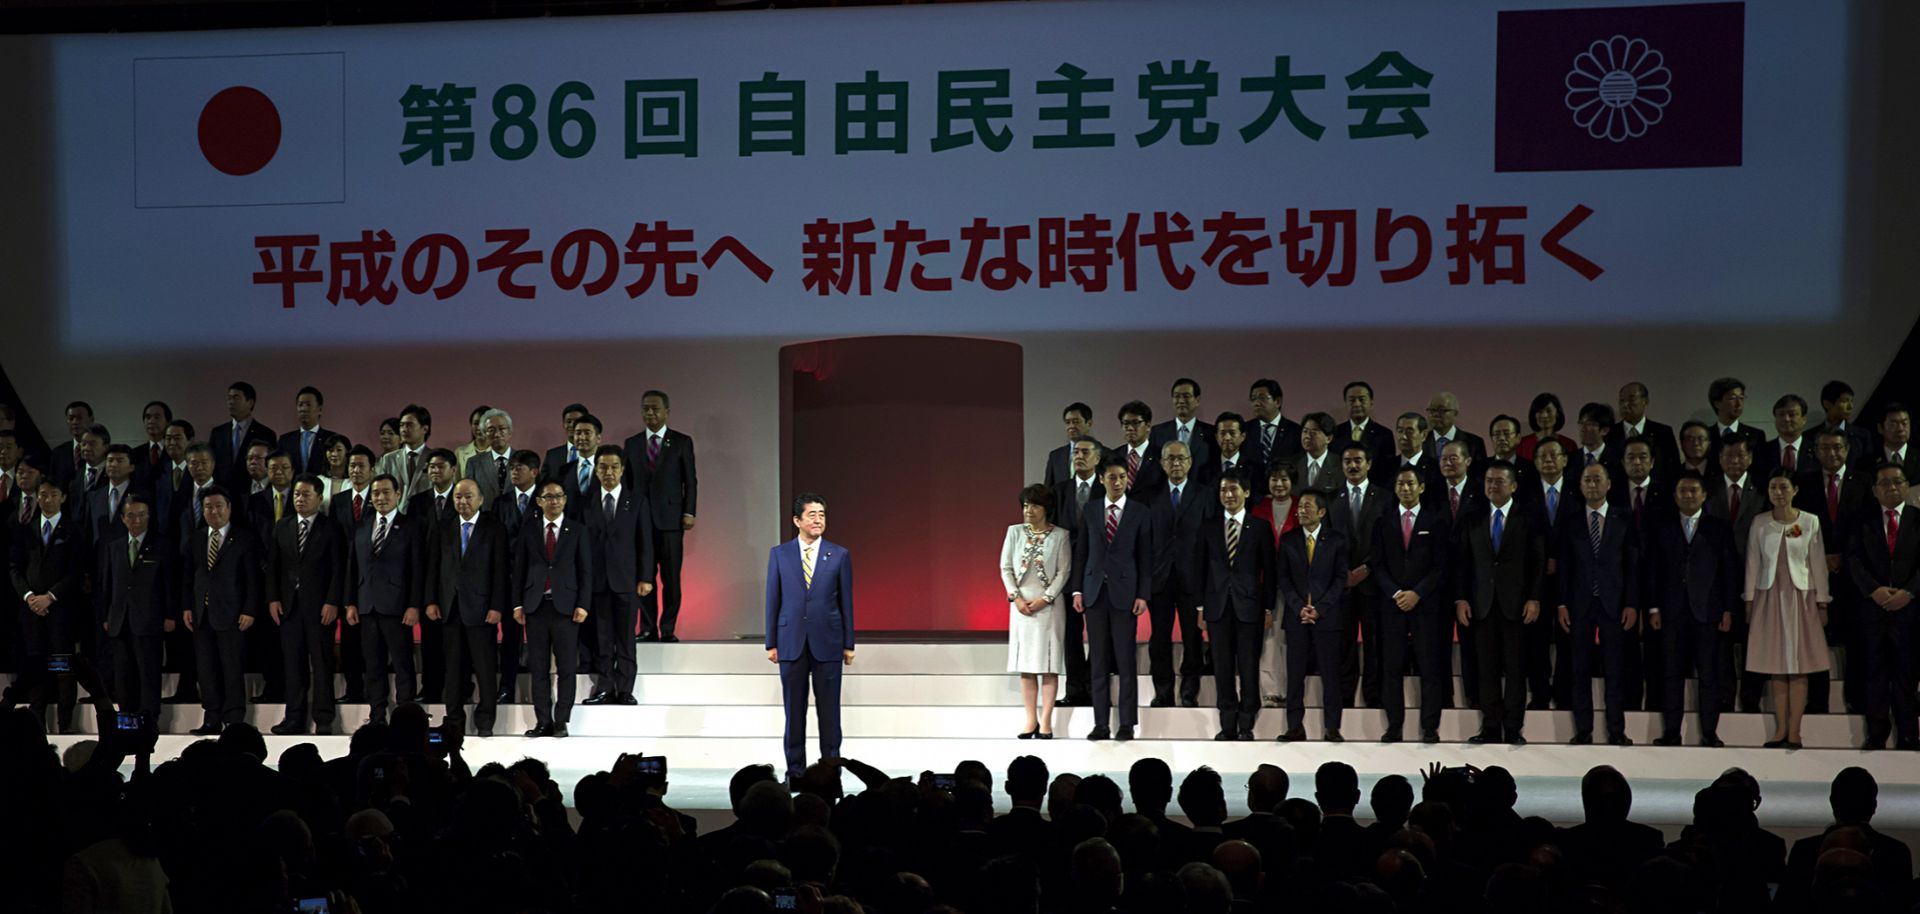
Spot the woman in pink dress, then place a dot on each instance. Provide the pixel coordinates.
(1786, 595)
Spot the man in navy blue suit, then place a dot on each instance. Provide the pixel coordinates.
(1599, 584)
(1112, 579)
(810, 627)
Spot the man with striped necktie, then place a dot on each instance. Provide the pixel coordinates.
(222, 603)
(386, 577)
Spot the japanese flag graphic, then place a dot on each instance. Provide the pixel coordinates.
(239, 131)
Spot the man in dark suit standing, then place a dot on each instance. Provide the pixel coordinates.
(274, 503)
(1316, 465)
(810, 627)
(1896, 429)
(1836, 494)
(1312, 563)
(1641, 492)
(1737, 497)
(1499, 565)
(1464, 494)
(619, 528)
(1271, 437)
(1178, 578)
(1359, 428)
(1409, 450)
(552, 576)
(468, 577)
(1443, 412)
(1112, 581)
(230, 440)
(1728, 397)
(1410, 551)
(517, 509)
(306, 574)
(1790, 448)
(91, 476)
(1460, 492)
(166, 480)
(660, 462)
(223, 599)
(1554, 501)
(351, 507)
(1078, 418)
(434, 509)
(1185, 426)
(1599, 593)
(1694, 578)
(1836, 406)
(50, 557)
(385, 587)
(1884, 561)
(1594, 424)
(1633, 423)
(136, 598)
(1230, 457)
(65, 462)
(1144, 473)
(563, 456)
(1079, 489)
(1353, 511)
(266, 654)
(1241, 584)
(306, 444)
(103, 504)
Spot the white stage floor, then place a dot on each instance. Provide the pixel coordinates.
(912, 706)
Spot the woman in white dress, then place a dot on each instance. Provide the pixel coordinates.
(1034, 565)
(1786, 594)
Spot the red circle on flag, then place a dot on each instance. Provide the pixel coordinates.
(239, 130)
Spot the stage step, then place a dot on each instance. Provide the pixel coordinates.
(947, 722)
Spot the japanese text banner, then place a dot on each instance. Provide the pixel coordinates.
(973, 168)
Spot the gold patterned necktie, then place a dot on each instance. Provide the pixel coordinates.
(806, 566)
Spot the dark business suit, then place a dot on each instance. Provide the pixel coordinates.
(435, 509)
(1838, 518)
(1360, 677)
(1069, 505)
(1660, 438)
(80, 491)
(1546, 650)
(1241, 587)
(1251, 472)
(810, 625)
(230, 457)
(1860, 443)
(1178, 582)
(1472, 499)
(548, 585)
(622, 544)
(52, 561)
(303, 579)
(135, 597)
(468, 576)
(1768, 456)
(514, 518)
(266, 654)
(1329, 478)
(64, 462)
(558, 461)
(1887, 636)
(1379, 441)
(1693, 584)
(1596, 584)
(671, 483)
(353, 661)
(1109, 576)
(1148, 478)
(1476, 446)
(382, 584)
(1200, 445)
(218, 596)
(103, 511)
(1909, 461)
(1497, 579)
(308, 451)
(1753, 503)
(1321, 582)
(1285, 442)
(1414, 561)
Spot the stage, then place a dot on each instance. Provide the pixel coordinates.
(712, 707)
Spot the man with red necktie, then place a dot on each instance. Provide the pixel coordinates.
(1884, 561)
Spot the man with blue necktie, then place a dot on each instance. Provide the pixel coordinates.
(810, 627)
(468, 577)
(305, 444)
(562, 455)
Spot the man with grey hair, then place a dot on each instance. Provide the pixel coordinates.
(1178, 578)
(491, 466)
(1098, 880)
(1443, 412)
